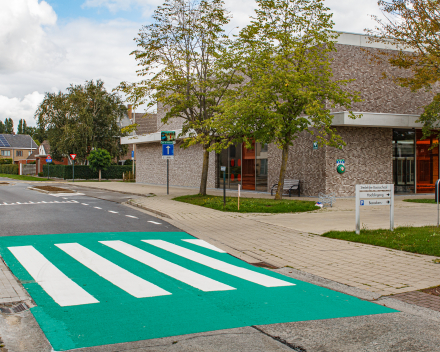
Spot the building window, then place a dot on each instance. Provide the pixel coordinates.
(6, 153)
(30, 152)
(19, 153)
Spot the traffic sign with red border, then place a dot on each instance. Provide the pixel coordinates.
(73, 156)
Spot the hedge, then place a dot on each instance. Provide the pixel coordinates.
(9, 169)
(85, 172)
(5, 161)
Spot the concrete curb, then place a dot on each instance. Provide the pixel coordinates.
(132, 203)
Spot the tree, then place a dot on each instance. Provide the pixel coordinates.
(284, 52)
(22, 127)
(9, 126)
(179, 58)
(413, 28)
(84, 118)
(99, 159)
(2, 127)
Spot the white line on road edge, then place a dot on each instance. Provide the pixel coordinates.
(230, 269)
(63, 290)
(164, 266)
(65, 194)
(154, 222)
(130, 283)
(131, 216)
(97, 207)
(114, 212)
(84, 204)
(205, 244)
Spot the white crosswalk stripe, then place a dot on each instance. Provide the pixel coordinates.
(230, 269)
(118, 276)
(62, 289)
(205, 244)
(164, 266)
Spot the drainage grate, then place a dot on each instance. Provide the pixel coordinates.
(264, 265)
(17, 309)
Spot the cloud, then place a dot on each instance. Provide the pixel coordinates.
(114, 6)
(24, 44)
(20, 108)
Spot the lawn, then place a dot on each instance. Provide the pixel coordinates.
(429, 201)
(250, 205)
(422, 240)
(24, 178)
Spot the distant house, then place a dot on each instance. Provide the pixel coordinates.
(41, 155)
(17, 147)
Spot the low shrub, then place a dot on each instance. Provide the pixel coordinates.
(85, 172)
(9, 169)
(5, 161)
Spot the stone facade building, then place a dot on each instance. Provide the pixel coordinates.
(384, 145)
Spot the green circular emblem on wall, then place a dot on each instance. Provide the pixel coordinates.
(340, 169)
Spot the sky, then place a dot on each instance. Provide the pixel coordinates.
(45, 46)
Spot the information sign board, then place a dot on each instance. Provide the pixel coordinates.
(375, 202)
(48, 159)
(167, 151)
(168, 137)
(374, 195)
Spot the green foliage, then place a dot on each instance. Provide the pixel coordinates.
(85, 172)
(179, 54)
(422, 240)
(22, 178)
(9, 169)
(128, 162)
(250, 205)
(8, 126)
(22, 127)
(99, 159)
(285, 53)
(418, 200)
(2, 127)
(84, 118)
(5, 161)
(41, 174)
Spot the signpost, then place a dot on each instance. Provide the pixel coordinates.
(373, 195)
(437, 184)
(223, 168)
(73, 156)
(168, 153)
(48, 161)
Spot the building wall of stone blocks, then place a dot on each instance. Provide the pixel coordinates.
(368, 159)
(304, 163)
(185, 169)
(379, 95)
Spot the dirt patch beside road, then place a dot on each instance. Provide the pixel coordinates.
(53, 189)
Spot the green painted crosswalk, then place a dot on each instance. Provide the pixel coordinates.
(104, 288)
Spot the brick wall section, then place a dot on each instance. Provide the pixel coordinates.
(304, 163)
(379, 95)
(368, 159)
(185, 169)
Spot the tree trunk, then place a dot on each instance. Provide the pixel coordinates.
(99, 175)
(284, 158)
(204, 179)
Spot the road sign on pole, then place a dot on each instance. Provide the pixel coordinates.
(377, 194)
(48, 161)
(73, 156)
(167, 151)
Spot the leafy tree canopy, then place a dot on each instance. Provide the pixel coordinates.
(284, 54)
(83, 118)
(8, 126)
(99, 159)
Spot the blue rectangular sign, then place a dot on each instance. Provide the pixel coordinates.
(132, 154)
(167, 149)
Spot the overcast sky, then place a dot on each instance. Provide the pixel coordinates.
(47, 45)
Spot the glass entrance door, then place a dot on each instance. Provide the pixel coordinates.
(403, 160)
(249, 167)
(427, 163)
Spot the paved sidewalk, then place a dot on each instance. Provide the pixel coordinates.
(289, 240)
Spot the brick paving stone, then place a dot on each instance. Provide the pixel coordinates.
(421, 299)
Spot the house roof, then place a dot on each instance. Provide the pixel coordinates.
(17, 141)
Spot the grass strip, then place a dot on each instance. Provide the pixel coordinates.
(24, 177)
(422, 240)
(250, 205)
(430, 201)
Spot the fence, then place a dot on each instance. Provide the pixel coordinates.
(28, 169)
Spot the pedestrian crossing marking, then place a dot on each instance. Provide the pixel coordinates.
(63, 290)
(118, 276)
(245, 274)
(166, 267)
(205, 244)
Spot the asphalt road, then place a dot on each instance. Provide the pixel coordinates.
(24, 211)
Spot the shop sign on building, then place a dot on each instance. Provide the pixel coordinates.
(373, 195)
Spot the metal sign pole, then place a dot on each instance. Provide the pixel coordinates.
(73, 170)
(224, 188)
(358, 215)
(392, 208)
(168, 176)
(437, 194)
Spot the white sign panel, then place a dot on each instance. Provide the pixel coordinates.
(375, 202)
(374, 195)
(170, 157)
(379, 187)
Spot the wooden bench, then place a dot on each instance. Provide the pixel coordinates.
(290, 185)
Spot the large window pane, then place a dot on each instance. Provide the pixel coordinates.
(403, 160)
(427, 163)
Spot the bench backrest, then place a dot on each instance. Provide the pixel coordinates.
(288, 182)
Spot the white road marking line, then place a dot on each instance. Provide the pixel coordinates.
(84, 204)
(230, 269)
(114, 212)
(18, 203)
(154, 222)
(205, 244)
(164, 266)
(65, 198)
(66, 194)
(63, 290)
(97, 207)
(131, 216)
(130, 283)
